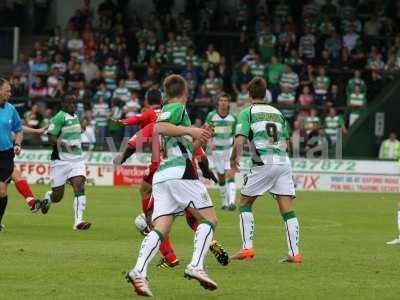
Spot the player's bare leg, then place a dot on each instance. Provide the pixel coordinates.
(150, 246)
(397, 240)
(292, 228)
(55, 195)
(78, 185)
(247, 226)
(3, 202)
(25, 190)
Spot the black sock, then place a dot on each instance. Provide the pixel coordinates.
(3, 205)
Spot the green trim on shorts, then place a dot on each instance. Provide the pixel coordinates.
(245, 208)
(289, 215)
(160, 235)
(208, 223)
(78, 194)
(231, 180)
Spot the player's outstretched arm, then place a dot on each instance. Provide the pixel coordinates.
(168, 129)
(31, 130)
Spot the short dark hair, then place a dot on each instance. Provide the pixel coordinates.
(68, 97)
(257, 88)
(154, 97)
(174, 86)
(224, 95)
(3, 81)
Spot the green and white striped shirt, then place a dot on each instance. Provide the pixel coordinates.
(67, 128)
(258, 70)
(321, 85)
(224, 129)
(177, 150)
(267, 129)
(290, 80)
(331, 126)
(178, 55)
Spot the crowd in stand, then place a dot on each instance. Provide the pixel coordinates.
(323, 63)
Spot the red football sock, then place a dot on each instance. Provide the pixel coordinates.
(167, 251)
(25, 190)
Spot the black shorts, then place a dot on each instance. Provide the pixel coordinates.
(6, 165)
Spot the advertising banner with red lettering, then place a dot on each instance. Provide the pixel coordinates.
(309, 174)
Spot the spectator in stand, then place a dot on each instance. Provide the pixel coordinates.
(334, 123)
(250, 57)
(115, 130)
(203, 102)
(88, 136)
(192, 57)
(89, 69)
(75, 46)
(240, 77)
(18, 89)
(390, 148)
(131, 108)
(306, 98)
(307, 45)
(289, 80)
(22, 66)
(59, 63)
(213, 83)
(110, 73)
(267, 43)
(38, 68)
(356, 80)
(287, 40)
(286, 100)
(298, 140)
(212, 55)
(376, 63)
(242, 98)
(318, 144)
(356, 101)
(335, 96)
(294, 61)
(312, 122)
(75, 78)
(101, 112)
(321, 84)
(274, 72)
(350, 38)
(122, 92)
(131, 83)
(257, 68)
(102, 92)
(150, 79)
(38, 89)
(333, 44)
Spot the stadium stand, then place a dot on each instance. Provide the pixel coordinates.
(323, 65)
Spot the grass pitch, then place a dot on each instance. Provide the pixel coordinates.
(343, 239)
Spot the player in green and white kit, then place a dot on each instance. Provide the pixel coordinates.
(176, 188)
(224, 124)
(268, 132)
(67, 161)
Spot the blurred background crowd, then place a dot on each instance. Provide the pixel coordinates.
(323, 64)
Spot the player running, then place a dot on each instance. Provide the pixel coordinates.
(67, 161)
(137, 142)
(176, 188)
(267, 130)
(224, 123)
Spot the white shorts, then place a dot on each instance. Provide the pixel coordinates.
(221, 160)
(276, 179)
(173, 196)
(61, 171)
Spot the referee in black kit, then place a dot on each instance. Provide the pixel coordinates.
(10, 142)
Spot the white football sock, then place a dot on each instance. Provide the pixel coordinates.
(79, 208)
(232, 192)
(223, 194)
(247, 226)
(148, 249)
(292, 232)
(202, 241)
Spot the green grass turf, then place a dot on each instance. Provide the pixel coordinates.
(343, 239)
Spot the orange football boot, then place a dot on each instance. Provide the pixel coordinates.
(244, 254)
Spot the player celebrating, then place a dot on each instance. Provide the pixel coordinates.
(267, 130)
(224, 123)
(177, 188)
(68, 163)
